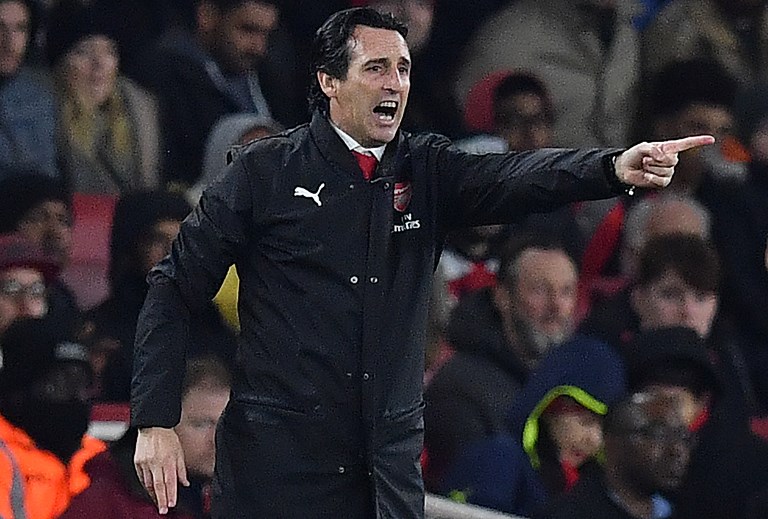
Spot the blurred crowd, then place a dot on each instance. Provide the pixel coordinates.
(608, 359)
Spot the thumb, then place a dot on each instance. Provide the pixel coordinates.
(181, 468)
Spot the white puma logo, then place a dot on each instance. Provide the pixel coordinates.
(300, 191)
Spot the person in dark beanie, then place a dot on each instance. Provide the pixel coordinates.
(729, 465)
(109, 127)
(44, 415)
(145, 224)
(40, 207)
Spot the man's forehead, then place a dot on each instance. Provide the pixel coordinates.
(370, 43)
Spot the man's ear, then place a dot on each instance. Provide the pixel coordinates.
(328, 83)
(207, 16)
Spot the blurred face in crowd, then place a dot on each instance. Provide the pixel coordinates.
(49, 226)
(577, 434)
(711, 119)
(369, 102)
(90, 69)
(670, 301)
(200, 411)
(22, 294)
(655, 450)
(158, 243)
(237, 38)
(14, 36)
(523, 121)
(544, 293)
(417, 15)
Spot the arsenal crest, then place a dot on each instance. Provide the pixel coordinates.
(403, 193)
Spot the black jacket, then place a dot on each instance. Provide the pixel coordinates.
(589, 499)
(327, 398)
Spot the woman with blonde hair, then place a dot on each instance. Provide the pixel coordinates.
(108, 125)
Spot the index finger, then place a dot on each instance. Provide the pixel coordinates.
(686, 143)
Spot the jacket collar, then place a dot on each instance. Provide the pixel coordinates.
(334, 150)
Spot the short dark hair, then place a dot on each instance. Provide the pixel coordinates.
(515, 247)
(521, 83)
(688, 255)
(681, 84)
(331, 50)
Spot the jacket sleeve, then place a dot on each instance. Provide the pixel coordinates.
(211, 239)
(501, 187)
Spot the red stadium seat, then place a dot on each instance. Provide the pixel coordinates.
(87, 271)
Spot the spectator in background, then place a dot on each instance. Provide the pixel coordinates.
(658, 216)
(220, 67)
(500, 334)
(699, 95)
(677, 284)
(585, 51)
(609, 266)
(513, 106)
(109, 129)
(145, 224)
(731, 33)
(230, 130)
(24, 272)
(39, 208)
(27, 106)
(44, 413)
(647, 450)
(554, 433)
(729, 464)
(116, 490)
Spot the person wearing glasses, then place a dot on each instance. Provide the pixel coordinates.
(647, 447)
(24, 273)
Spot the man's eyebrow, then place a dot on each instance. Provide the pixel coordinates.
(377, 61)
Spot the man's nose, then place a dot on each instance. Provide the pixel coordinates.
(395, 81)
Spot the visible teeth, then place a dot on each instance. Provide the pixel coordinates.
(388, 104)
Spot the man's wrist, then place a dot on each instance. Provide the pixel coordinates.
(617, 186)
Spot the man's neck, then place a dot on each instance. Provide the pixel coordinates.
(352, 143)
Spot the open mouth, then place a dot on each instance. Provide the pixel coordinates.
(386, 110)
